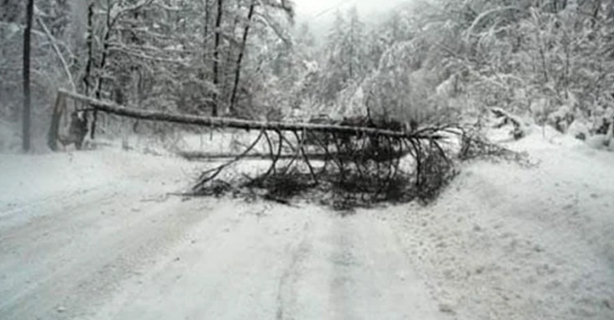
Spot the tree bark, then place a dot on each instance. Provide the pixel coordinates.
(54, 129)
(216, 55)
(27, 103)
(206, 33)
(233, 98)
(109, 107)
(103, 62)
(90, 49)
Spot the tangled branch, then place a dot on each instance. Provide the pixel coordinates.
(356, 162)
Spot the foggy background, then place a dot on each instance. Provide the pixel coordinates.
(320, 13)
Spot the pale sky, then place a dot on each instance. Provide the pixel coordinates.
(319, 13)
(317, 9)
(313, 7)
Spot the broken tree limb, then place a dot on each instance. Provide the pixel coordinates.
(54, 128)
(344, 165)
(198, 155)
(54, 45)
(216, 122)
(212, 173)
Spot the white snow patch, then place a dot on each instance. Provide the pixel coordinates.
(506, 242)
(30, 179)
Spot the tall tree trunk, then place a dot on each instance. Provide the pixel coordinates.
(87, 77)
(231, 56)
(90, 49)
(27, 104)
(206, 30)
(103, 62)
(235, 87)
(206, 55)
(216, 55)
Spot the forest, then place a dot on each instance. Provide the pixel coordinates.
(239, 159)
(550, 61)
(424, 67)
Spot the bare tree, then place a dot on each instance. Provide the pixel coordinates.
(90, 48)
(26, 124)
(216, 53)
(233, 98)
(207, 17)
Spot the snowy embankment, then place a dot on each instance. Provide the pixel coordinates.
(92, 235)
(504, 242)
(60, 178)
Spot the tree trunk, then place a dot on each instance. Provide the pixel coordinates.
(87, 77)
(233, 98)
(217, 122)
(103, 62)
(27, 104)
(216, 55)
(206, 54)
(206, 34)
(54, 129)
(90, 49)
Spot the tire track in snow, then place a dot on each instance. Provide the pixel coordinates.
(232, 270)
(287, 290)
(371, 275)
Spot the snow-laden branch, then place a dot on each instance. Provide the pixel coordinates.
(484, 14)
(56, 49)
(134, 7)
(142, 55)
(217, 122)
(21, 27)
(268, 21)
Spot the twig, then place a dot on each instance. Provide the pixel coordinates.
(57, 51)
(204, 178)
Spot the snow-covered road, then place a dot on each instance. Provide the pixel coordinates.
(502, 242)
(120, 249)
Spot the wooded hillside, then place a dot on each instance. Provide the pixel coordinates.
(548, 61)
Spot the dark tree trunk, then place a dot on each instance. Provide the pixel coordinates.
(90, 50)
(230, 59)
(206, 54)
(216, 55)
(250, 14)
(27, 104)
(103, 62)
(206, 31)
(217, 122)
(87, 77)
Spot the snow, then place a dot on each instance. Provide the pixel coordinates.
(504, 242)
(32, 180)
(9, 139)
(96, 235)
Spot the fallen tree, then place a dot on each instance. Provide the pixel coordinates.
(343, 166)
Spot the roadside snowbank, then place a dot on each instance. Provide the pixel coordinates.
(29, 179)
(502, 242)
(506, 242)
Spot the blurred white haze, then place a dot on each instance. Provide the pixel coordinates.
(319, 13)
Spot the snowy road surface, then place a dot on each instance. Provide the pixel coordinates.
(102, 241)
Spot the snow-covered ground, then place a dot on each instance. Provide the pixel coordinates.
(505, 242)
(96, 235)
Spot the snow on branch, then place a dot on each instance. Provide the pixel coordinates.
(217, 122)
(484, 14)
